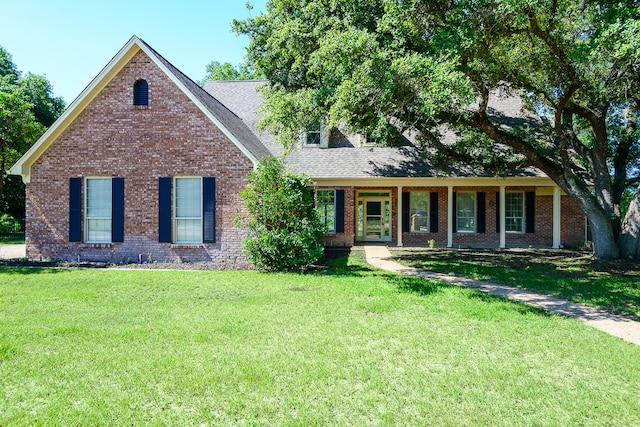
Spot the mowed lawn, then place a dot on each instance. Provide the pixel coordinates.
(344, 346)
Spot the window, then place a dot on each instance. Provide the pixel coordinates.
(326, 208)
(466, 212)
(141, 93)
(188, 210)
(419, 211)
(98, 210)
(514, 212)
(312, 136)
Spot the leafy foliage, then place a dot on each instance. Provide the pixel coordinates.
(385, 67)
(27, 108)
(217, 71)
(285, 232)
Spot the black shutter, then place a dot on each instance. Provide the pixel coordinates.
(530, 211)
(406, 212)
(481, 212)
(313, 197)
(497, 212)
(339, 211)
(455, 213)
(117, 209)
(208, 209)
(75, 209)
(164, 210)
(433, 212)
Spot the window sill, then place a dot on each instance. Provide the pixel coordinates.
(96, 245)
(141, 107)
(187, 245)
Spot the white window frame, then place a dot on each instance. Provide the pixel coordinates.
(416, 216)
(473, 216)
(176, 220)
(88, 219)
(312, 130)
(322, 211)
(513, 218)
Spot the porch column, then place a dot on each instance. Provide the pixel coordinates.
(450, 217)
(400, 215)
(503, 216)
(556, 217)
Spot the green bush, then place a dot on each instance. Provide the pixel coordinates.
(285, 232)
(8, 224)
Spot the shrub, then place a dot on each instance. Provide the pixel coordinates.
(285, 232)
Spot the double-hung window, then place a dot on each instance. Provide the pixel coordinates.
(466, 212)
(326, 208)
(98, 210)
(419, 211)
(514, 212)
(312, 134)
(188, 210)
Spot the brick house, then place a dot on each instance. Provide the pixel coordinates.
(147, 165)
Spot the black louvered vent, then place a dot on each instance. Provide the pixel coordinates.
(141, 93)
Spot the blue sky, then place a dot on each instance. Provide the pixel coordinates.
(70, 41)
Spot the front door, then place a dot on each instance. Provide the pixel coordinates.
(374, 219)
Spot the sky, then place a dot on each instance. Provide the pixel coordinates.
(70, 41)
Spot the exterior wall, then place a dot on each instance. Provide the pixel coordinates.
(111, 137)
(572, 222)
(347, 238)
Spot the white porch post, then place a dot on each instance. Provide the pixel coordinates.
(503, 216)
(400, 207)
(556, 217)
(450, 217)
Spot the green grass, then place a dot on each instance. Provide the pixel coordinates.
(576, 276)
(346, 346)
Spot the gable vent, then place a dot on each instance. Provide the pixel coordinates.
(141, 93)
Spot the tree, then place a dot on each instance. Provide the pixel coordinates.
(285, 232)
(27, 108)
(217, 71)
(388, 66)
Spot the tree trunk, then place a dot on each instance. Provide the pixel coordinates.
(629, 241)
(604, 242)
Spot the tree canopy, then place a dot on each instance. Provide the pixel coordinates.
(27, 108)
(384, 67)
(217, 71)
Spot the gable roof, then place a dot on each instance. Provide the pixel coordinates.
(228, 122)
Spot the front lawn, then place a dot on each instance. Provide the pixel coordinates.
(576, 276)
(344, 346)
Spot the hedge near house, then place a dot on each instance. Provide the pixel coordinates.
(285, 232)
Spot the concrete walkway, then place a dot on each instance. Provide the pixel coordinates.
(629, 330)
(13, 251)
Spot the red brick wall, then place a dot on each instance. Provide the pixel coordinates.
(111, 137)
(572, 223)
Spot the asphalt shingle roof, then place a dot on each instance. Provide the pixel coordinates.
(228, 118)
(344, 159)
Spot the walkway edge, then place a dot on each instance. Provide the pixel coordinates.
(627, 329)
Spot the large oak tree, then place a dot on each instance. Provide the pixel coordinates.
(388, 66)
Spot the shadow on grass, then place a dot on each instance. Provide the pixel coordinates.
(24, 270)
(613, 286)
